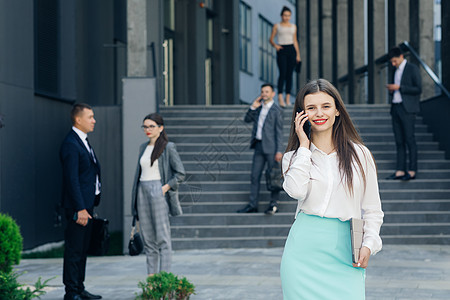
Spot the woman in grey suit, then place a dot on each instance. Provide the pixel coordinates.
(159, 172)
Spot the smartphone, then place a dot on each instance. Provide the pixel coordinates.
(306, 126)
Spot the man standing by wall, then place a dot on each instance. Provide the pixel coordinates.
(405, 98)
(267, 140)
(81, 192)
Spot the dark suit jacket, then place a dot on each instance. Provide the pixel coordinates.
(172, 172)
(79, 174)
(272, 132)
(410, 88)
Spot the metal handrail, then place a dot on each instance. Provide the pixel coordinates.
(385, 59)
(427, 69)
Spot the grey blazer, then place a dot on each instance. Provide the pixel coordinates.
(272, 132)
(172, 172)
(410, 88)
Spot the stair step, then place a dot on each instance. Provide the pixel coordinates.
(422, 239)
(230, 231)
(290, 206)
(195, 195)
(244, 138)
(242, 242)
(248, 155)
(245, 175)
(383, 184)
(217, 162)
(214, 129)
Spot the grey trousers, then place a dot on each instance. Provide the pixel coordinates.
(153, 212)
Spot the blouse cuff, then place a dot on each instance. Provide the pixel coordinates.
(370, 244)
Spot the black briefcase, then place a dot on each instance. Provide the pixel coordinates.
(274, 179)
(99, 244)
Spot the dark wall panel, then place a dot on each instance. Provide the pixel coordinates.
(107, 143)
(17, 166)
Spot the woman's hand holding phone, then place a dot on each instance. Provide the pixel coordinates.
(301, 124)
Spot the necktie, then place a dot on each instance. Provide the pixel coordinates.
(97, 180)
(91, 151)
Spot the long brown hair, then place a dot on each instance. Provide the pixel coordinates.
(162, 140)
(344, 133)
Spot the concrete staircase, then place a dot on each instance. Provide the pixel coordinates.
(213, 143)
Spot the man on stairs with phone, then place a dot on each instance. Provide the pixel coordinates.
(267, 140)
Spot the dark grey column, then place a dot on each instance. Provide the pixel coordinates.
(370, 53)
(414, 28)
(445, 42)
(196, 49)
(391, 24)
(350, 53)
(226, 53)
(334, 42)
(320, 43)
(308, 39)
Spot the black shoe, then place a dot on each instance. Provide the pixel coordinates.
(72, 297)
(271, 210)
(248, 209)
(86, 295)
(395, 177)
(408, 176)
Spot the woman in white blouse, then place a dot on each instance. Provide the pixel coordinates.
(334, 178)
(159, 172)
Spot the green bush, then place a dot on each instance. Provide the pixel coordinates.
(10, 243)
(12, 290)
(165, 286)
(10, 251)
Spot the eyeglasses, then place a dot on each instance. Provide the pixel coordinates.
(149, 127)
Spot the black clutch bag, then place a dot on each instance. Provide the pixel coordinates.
(99, 244)
(274, 180)
(135, 245)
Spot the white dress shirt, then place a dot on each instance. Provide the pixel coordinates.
(262, 117)
(397, 80)
(149, 172)
(314, 180)
(83, 137)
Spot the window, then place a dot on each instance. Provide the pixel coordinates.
(294, 2)
(245, 49)
(267, 53)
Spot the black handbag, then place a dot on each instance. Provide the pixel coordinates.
(274, 180)
(99, 244)
(298, 67)
(135, 246)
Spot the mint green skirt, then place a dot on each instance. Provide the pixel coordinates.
(317, 261)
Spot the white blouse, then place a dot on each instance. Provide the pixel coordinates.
(314, 180)
(149, 172)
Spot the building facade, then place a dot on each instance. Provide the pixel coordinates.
(209, 52)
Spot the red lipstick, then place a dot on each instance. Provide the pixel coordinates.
(320, 121)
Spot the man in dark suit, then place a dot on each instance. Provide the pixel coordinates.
(405, 98)
(267, 140)
(81, 192)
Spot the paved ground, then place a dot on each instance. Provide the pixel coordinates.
(397, 272)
